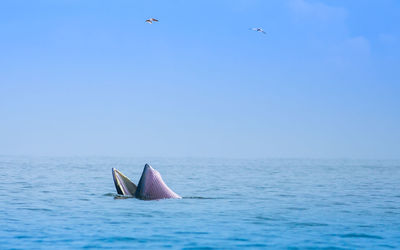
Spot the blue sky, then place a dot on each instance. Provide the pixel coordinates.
(91, 78)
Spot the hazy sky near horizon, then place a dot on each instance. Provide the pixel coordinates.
(91, 78)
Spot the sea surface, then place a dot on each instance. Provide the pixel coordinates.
(69, 203)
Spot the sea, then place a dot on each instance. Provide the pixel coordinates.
(71, 203)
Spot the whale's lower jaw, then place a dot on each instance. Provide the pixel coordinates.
(151, 186)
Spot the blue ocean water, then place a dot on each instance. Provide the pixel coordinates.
(63, 203)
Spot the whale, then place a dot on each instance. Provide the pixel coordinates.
(151, 186)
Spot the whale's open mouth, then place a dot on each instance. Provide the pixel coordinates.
(122, 183)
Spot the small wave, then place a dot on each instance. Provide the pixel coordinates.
(309, 224)
(254, 245)
(356, 235)
(118, 238)
(118, 196)
(238, 239)
(36, 209)
(296, 208)
(190, 232)
(22, 237)
(266, 218)
(109, 194)
(201, 198)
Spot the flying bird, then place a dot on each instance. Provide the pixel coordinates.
(259, 30)
(151, 20)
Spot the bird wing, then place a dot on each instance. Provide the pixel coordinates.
(148, 21)
(155, 20)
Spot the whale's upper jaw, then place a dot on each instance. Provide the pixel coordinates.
(152, 187)
(122, 183)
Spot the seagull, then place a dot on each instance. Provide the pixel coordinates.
(259, 30)
(151, 20)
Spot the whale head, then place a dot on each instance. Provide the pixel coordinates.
(151, 185)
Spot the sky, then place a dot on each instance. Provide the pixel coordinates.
(91, 78)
